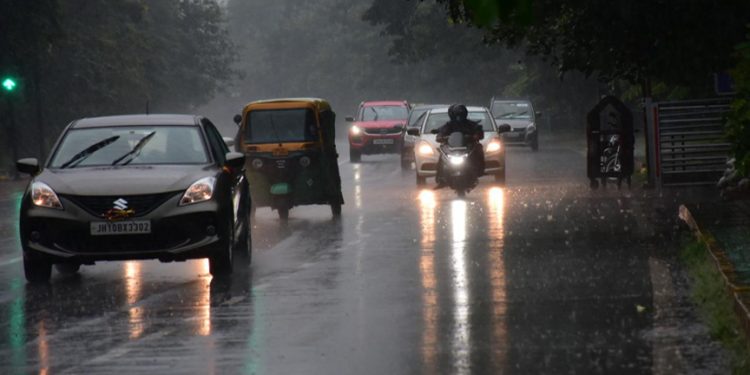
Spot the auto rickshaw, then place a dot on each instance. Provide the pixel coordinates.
(291, 157)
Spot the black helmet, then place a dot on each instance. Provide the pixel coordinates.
(458, 112)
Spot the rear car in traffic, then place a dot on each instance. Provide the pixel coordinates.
(135, 187)
(416, 115)
(426, 153)
(377, 128)
(521, 117)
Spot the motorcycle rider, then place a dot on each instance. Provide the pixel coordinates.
(459, 122)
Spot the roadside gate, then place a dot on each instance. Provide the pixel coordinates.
(686, 144)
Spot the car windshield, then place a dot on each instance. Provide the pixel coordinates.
(280, 125)
(415, 116)
(383, 112)
(131, 145)
(512, 110)
(436, 120)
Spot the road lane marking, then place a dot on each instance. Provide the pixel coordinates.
(10, 261)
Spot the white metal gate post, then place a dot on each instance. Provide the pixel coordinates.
(652, 142)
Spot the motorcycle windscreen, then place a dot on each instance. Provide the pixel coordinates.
(456, 139)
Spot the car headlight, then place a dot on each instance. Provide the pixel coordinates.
(425, 149)
(43, 196)
(355, 130)
(456, 160)
(200, 191)
(493, 146)
(531, 128)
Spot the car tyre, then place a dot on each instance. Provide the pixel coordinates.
(405, 162)
(220, 264)
(244, 245)
(36, 271)
(535, 144)
(500, 177)
(355, 156)
(68, 268)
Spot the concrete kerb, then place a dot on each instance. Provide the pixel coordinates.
(739, 293)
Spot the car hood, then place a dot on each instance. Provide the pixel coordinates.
(385, 124)
(128, 180)
(515, 124)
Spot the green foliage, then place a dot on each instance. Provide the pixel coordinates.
(79, 58)
(709, 291)
(738, 122)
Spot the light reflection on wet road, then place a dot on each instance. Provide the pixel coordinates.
(539, 276)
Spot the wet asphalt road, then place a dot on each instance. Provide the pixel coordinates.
(539, 276)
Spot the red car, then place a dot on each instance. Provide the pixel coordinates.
(378, 128)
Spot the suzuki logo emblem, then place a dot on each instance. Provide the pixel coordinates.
(121, 204)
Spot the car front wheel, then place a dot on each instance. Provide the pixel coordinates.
(36, 271)
(220, 263)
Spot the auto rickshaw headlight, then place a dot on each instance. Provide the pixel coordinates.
(356, 130)
(257, 163)
(304, 161)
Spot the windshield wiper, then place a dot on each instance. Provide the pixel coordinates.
(136, 149)
(375, 112)
(81, 156)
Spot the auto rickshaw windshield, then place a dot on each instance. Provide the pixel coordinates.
(280, 125)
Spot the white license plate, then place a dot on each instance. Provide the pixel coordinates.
(387, 141)
(106, 228)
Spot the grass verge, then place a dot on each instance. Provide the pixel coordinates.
(715, 304)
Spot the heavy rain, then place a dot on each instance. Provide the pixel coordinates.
(374, 187)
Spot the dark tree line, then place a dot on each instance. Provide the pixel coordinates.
(79, 58)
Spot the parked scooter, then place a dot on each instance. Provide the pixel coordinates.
(457, 168)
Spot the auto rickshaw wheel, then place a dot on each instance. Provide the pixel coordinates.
(354, 156)
(500, 177)
(405, 162)
(36, 271)
(336, 209)
(283, 213)
(594, 184)
(421, 180)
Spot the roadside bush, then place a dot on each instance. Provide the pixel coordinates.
(738, 122)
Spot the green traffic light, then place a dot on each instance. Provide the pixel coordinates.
(9, 84)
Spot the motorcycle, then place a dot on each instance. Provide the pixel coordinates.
(455, 160)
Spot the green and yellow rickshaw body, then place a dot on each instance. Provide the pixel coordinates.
(291, 157)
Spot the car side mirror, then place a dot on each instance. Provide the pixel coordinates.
(349, 119)
(235, 160)
(237, 119)
(399, 127)
(413, 131)
(435, 131)
(504, 128)
(229, 141)
(538, 114)
(28, 166)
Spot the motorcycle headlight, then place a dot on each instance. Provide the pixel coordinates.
(456, 160)
(355, 130)
(200, 191)
(425, 149)
(43, 196)
(493, 146)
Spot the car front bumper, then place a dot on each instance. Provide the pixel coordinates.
(177, 233)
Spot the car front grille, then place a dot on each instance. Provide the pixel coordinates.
(141, 204)
(381, 131)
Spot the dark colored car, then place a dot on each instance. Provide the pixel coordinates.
(135, 187)
(377, 128)
(521, 117)
(414, 121)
